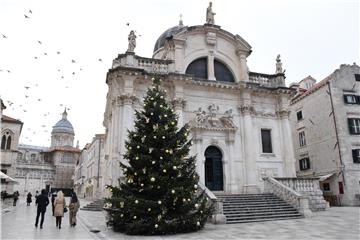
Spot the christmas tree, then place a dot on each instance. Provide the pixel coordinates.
(160, 194)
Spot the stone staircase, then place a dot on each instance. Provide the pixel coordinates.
(242, 208)
(96, 205)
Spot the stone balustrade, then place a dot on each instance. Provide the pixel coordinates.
(308, 187)
(268, 80)
(218, 216)
(284, 192)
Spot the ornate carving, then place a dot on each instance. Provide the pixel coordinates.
(211, 38)
(246, 109)
(212, 121)
(126, 99)
(178, 103)
(266, 172)
(283, 113)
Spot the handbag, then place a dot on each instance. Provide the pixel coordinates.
(65, 209)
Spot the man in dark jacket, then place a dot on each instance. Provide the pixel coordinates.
(42, 201)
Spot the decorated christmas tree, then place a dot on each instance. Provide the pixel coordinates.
(160, 194)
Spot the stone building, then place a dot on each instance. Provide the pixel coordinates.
(239, 118)
(51, 167)
(10, 134)
(89, 169)
(325, 122)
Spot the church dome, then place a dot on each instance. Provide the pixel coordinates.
(63, 126)
(168, 34)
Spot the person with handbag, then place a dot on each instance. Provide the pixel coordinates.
(73, 208)
(41, 201)
(59, 208)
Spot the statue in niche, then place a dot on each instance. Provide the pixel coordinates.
(132, 41)
(278, 65)
(210, 14)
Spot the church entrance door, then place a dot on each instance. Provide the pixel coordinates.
(213, 169)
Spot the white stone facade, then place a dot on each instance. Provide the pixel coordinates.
(89, 169)
(328, 142)
(227, 115)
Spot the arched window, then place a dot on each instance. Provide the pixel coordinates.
(8, 143)
(3, 142)
(198, 68)
(222, 73)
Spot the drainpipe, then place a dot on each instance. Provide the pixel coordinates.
(336, 132)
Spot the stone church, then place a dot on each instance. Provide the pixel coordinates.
(239, 118)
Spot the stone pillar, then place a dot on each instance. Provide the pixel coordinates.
(288, 149)
(231, 170)
(250, 185)
(200, 161)
(210, 65)
(178, 104)
(179, 54)
(244, 74)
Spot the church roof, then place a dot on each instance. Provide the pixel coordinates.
(10, 119)
(63, 126)
(168, 34)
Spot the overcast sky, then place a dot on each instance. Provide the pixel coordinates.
(313, 37)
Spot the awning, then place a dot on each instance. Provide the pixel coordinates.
(4, 176)
(323, 178)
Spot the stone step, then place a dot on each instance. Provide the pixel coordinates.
(244, 211)
(259, 216)
(255, 205)
(260, 213)
(229, 208)
(262, 219)
(253, 202)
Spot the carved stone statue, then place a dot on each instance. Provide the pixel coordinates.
(210, 15)
(132, 41)
(213, 110)
(278, 65)
(201, 116)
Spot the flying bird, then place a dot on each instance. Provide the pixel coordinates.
(8, 71)
(39, 42)
(100, 60)
(45, 53)
(127, 24)
(25, 16)
(26, 87)
(26, 96)
(58, 52)
(30, 11)
(73, 73)
(72, 60)
(36, 57)
(80, 69)
(39, 99)
(4, 36)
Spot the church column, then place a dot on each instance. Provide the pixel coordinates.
(200, 161)
(250, 185)
(210, 65)
(231, 177)
(244, 73)
(288, 150)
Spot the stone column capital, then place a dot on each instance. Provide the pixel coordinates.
(246, 109)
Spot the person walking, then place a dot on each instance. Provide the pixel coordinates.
(28, 199)
(53, 196)
(41, 201)
(16, 197)
(73, 208)
(59, 204)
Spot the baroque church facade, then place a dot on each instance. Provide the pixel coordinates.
(239, 119)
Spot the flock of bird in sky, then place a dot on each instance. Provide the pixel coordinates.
(29, 89)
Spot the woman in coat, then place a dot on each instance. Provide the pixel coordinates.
(59, 205)
(73, 208)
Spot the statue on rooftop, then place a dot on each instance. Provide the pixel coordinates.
(278, 65)
(132, 41)
(210, 15)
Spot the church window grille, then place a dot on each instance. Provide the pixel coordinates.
(351, 99)
(3, 142)
(266, 141)
(222, 73)
(357, 77)
(198, 68)
(6, 140)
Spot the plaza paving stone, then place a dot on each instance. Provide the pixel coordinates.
(336, 223)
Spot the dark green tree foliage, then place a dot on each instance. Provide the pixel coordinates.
(160, 194)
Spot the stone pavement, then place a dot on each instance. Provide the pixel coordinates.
(336, 223)
(19, 223)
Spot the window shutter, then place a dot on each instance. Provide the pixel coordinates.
(345, 99)
(357, 99)
(355, 154)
